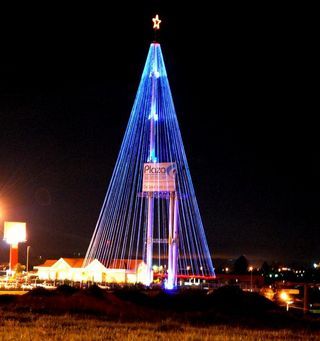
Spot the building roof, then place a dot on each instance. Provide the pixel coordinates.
(128, 264)
(48, 263)
(74, 262)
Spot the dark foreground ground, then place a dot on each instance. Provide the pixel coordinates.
(131, 313)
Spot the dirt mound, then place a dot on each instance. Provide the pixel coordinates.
(227, 305)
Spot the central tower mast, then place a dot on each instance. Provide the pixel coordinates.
(152, 158)
(153, 117)
(169, 190)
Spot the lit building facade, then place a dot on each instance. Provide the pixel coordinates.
(72, 269)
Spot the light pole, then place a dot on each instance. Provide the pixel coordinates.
(286, 298)
(28, 251)
(250, 269)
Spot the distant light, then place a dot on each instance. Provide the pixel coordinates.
(284, 296)
(315, 265)
(250, 268)
(227, 269)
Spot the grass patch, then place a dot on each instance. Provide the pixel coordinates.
(69, 327)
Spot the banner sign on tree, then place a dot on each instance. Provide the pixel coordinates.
(159, 177)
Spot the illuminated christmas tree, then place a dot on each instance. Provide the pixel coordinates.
(150, 211)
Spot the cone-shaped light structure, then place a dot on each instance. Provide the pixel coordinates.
(162, 227)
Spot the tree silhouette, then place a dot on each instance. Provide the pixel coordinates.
(265, 268)
(240, 265)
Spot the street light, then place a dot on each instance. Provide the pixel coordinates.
(286, 298)
(14, 233)
(250, 269)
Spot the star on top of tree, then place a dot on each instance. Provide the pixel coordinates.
(156, 22)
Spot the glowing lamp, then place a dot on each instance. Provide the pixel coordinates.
(284, 296)
(14, 233)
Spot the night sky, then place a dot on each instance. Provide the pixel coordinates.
(243, 82)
